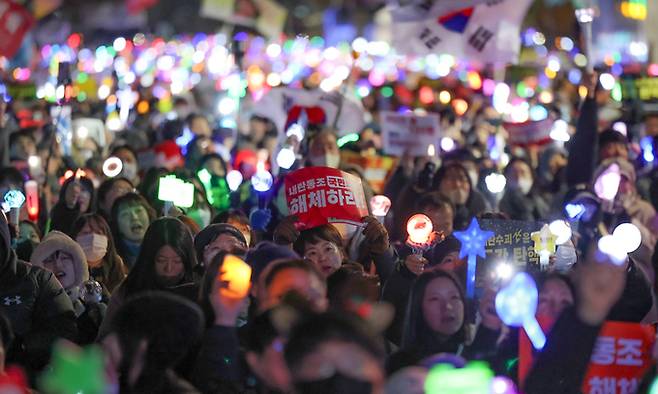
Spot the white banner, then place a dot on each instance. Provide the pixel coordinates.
(488, 32)
(409, 133)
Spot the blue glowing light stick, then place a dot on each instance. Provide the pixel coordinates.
(472, 241)
(516, 305)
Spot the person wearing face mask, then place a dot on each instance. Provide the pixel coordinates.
(62, 256)
(166, 262)
(130, 166)
(131, 216)
(106, 267)
(76, 197)
(453, 181)
(521, 201)
(323, 150)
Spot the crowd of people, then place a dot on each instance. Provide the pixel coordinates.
(336, 308)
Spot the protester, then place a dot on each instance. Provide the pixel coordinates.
(75, 199)
(35, 304)
(166, 262)
(131, 217)
(109, 191)
(93, 234)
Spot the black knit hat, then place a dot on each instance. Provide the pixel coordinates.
(210, 233)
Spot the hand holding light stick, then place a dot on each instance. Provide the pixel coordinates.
(421, 234)
(473, 240)
(516, 305)
(380, 205)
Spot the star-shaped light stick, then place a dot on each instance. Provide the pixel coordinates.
(544, 244)
(472, 240)
(516, 305)
(74, 370)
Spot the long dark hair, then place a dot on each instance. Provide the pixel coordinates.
(162, 232)
(114, 270)
(87, 185)
(417, 334)
(128, 199)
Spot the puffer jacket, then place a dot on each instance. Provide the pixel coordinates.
(35, 303)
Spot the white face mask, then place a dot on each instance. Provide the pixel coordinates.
(129, 171)
(328, 160)
(525, 184)
(94, 246)
(457, 196)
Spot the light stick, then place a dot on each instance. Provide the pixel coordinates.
(14, 200)
(421, 234)
(585, 16)
(112, 166)
(237, 276)
(473, 240)
(516, 305)
(380, 205)
(562, 231)
(495, 182)
(173, 191)
(544, 244)
(32, 198)
(234, 179)
(262, 181)
(475, 378)
(607, 184)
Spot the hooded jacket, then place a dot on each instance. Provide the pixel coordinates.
(36, 305)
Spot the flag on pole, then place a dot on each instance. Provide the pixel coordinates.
(487, 31)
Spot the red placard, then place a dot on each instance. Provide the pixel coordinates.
(321, 195)
(530, 133)
(15, 21)
(620, 358)
(137, 6)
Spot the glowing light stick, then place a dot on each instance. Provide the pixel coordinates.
(262, 181)
(173, 191)
(544, 244)
(74, 370)
(14, 200)
(112, 167)
(495, 182)
(237, 276)
(585, 16)
(286, 158)
(516, 305)
(380, 205)
(475, 378)
(32, 198)
(625, 239)
(502, 385)
(472, 241)
(607, 184)
(421, 234)
(562, 231)
(234, 179)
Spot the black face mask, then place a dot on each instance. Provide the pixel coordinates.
(338, 383)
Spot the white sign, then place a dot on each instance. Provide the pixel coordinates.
(409, 133)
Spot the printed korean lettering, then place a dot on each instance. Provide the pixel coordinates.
(335, 197)
(292, 190)
(349, 198)
(629, 352)
(320, 182)
(602, 385)
(336, 181)
(604, 351)
(301, 187)
(317, 199)
(298, 205)
(310, 184)
(627, 386)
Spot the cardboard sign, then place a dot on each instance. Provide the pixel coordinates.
(512, 243)
(409, 132)
(321, 195)
(15, 21)
(621, 357)
(530, 133)
(376, 169)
